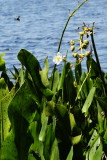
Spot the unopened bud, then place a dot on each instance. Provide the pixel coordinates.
(88, 53)
(75, 54)
(81, 33)
(86, 42)
(72, 48)
(81, 55)
(72, 42)
(84, 46)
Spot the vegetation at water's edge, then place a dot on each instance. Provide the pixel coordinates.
(58, 117)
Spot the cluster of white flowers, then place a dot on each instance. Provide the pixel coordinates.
(58, 58)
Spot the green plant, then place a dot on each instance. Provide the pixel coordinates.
(55, 117)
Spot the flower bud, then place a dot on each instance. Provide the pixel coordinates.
(84, 46)
(88, 53)
(81, 33)
(90, 29)
(72, 48)
(81, 55)
(86, 42)
(72, 42)
(75, 54)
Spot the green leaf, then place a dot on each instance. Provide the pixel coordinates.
(61, 81)
(21, 76)
(44, 121)
(70, 155)
(21, 113)
(37, 147)
(55, 151)
(76, 139)
(61, 110)
(72, 121)
(2, 63)
(5, 98)
(44, 73)
(55, 81)
(33, 67)
(48, 141)
(95, 147)
(78, 71)
(8, 150)
(88, 100)
(100, 118)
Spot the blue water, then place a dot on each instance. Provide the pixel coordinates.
(40, 26)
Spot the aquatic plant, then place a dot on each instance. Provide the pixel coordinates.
(56, 117)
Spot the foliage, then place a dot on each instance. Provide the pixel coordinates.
(56, 117)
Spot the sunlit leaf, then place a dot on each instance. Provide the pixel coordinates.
(72, 121)
(44, 73)
(55, 151)
(88, 100)
(76, 139)
(70, 155)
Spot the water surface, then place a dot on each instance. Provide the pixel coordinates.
(40, 26)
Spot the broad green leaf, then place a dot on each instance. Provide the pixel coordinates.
(55, 151)
(8, 151)
(32, 65)
(44, 73)
(70, 155)
(5, 98)
(76, 139)
(88, 100)
(21, 113)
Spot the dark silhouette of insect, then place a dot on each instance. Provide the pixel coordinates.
(17, 18)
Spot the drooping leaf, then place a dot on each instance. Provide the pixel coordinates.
(33, 67)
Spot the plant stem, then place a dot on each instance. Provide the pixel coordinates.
(71, 15)
(60, 42)
(98, 62)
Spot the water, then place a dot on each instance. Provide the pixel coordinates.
(40, 26)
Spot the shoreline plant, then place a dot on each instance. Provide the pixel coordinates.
(58, 117)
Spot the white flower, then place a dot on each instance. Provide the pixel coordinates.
(58, 58)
